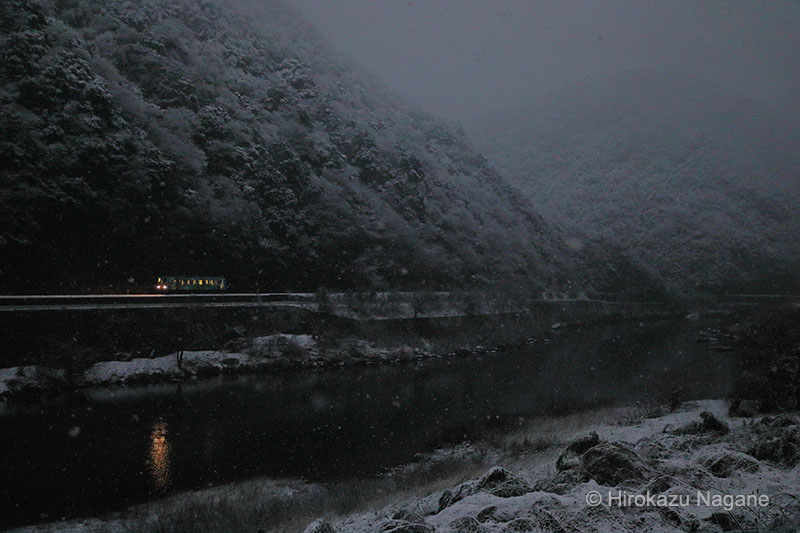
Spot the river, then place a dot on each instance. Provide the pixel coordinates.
(99, 450)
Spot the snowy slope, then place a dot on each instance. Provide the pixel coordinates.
(224, 137)
(693, 182)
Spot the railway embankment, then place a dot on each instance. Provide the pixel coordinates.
(52, 350)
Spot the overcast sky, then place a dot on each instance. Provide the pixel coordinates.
(463, 58)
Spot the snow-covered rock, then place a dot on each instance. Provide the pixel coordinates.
(282, 344)
(195, 363)
(497, 481)
(318, 526)
(31, 378)
(656, 456)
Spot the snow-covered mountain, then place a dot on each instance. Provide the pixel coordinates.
(224, 137)
(697, 185)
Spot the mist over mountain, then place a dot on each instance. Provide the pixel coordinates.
(143, 138)
(697, 185)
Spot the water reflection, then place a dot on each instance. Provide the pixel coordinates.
(159, 465)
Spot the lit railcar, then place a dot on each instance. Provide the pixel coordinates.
(190, 284)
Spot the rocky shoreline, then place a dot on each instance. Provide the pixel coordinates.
(697, 470)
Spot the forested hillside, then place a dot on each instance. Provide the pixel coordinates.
(204, 136)
(694, 183)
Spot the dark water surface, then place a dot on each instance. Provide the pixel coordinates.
(101, 450)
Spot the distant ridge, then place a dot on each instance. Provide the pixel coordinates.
(696, 185)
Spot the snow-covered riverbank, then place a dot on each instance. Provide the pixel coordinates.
(273, 352)
(537, 479)
(695, 470)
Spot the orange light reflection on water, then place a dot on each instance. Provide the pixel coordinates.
(159, 466)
